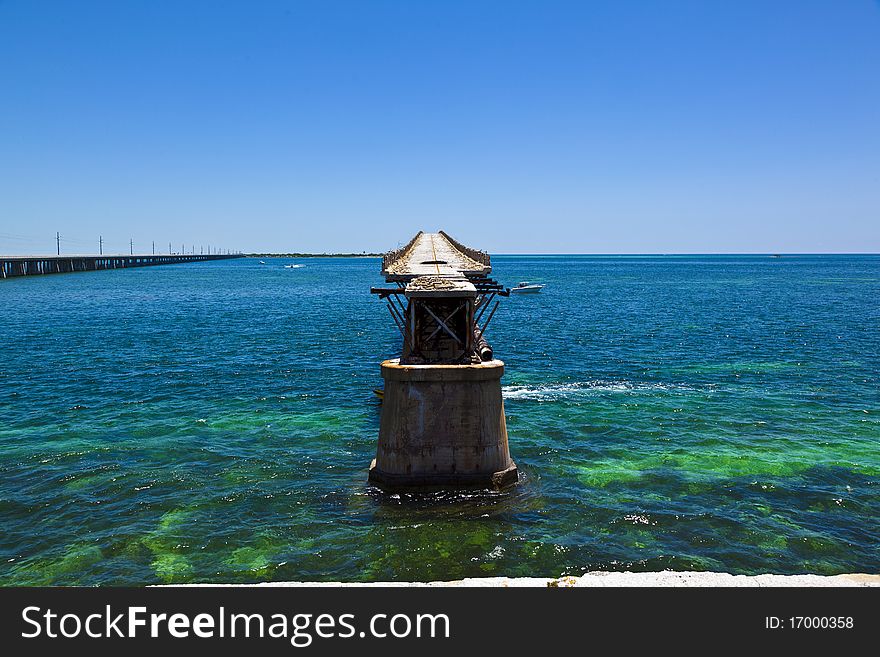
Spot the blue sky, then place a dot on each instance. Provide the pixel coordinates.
(518, 127)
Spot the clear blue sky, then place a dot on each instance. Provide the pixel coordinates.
(519, 127)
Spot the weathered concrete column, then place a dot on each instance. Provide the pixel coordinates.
(442, 425)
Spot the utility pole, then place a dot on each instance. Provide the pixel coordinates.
(58, 243)
(100, 245)
(131, 247)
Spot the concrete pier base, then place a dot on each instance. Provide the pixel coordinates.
(442, 426)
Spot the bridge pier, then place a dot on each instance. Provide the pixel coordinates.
(442, 422)
(442, 425)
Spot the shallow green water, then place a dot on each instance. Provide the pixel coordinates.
(214, 422)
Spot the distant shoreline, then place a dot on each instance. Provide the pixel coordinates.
(66, 256)
(314, 255)
(579, 255)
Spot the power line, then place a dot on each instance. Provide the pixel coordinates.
(74, 245)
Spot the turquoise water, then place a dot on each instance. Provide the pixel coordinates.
(214, 422)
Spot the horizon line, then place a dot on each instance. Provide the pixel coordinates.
(499, 254)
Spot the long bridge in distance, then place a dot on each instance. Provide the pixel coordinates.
(13, 266)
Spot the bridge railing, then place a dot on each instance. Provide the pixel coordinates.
(389, 258)
(479, 256)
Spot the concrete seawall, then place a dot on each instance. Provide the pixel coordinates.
(615, 579)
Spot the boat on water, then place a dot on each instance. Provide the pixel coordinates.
(292, 266)
(527, 288)
(262, 262)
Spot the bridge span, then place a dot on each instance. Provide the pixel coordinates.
(13, 266)
(447, 289)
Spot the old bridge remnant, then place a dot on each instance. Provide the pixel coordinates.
(442, 421)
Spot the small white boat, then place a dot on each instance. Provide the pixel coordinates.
(262, 262)
(292, 266)
(527, 288)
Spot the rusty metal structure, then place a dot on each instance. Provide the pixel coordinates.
(440, 302)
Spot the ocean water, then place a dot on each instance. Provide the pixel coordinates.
(214, 423)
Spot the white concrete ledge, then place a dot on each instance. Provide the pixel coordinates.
(596, 579)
